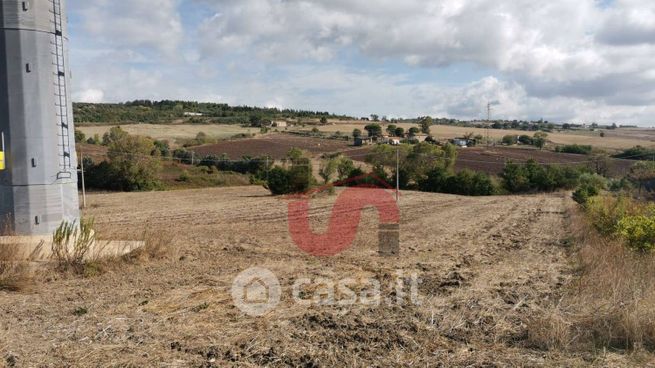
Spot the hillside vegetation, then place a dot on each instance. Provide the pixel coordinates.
(146, 111)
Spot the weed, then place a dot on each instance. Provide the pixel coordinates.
(199, 308)
(72, 245)
(80, 311)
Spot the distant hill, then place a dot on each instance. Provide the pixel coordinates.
(161, 112)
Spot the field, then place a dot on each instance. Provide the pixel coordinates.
(614, 140)
(491, 160)
(487, 265)
(274, 145)
(172, 132)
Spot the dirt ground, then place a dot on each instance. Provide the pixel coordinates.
(275, 145)
(486, 266)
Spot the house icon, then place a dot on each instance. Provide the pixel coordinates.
(256, 292)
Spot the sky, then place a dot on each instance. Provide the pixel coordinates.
(558, 60)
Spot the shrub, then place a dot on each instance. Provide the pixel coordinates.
(278, 181)
(637, 153)
(575, 148)
(605, 213)
(526, 139)
(638, 231)
(584, 192)
(465, 182)
(532, 177)
(297, 178)
(509, 140)
(79, 136)
(72, 245)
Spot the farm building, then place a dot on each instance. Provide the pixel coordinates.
(280, 124)
(193, 114)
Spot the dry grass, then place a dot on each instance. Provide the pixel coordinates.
(160, 244)
(15, 275)
(611, 305)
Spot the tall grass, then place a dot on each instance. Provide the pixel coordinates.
(611, 303)
(15, 274)
(72, 245)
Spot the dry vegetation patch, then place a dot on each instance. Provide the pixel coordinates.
(610, 305)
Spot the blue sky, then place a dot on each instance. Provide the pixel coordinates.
(582, 61)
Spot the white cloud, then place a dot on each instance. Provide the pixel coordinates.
(154, 24)
(560, 60)
(89, 95)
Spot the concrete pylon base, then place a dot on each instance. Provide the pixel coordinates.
(39, 248)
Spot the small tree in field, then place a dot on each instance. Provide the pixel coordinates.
(131, 159)
(357, 133)
(374, 130)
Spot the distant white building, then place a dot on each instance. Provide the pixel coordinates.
(193, 114)
(280, 124)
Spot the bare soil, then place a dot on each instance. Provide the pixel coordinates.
(274, 145)
(487, 266)
(492, 159)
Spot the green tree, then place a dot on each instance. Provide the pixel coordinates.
(131, 159)
(357, 133)
(426, 123)
(324, 121)
(114, 134)
(374, 130)
(328, 168)
(375, 117)
(413, 131)
(400, 132)
(345, 166)
(391, 129)
(539, 140)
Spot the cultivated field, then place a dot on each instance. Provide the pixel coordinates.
(274, 145)
(487, 266)
(172, 132)
(492, 160)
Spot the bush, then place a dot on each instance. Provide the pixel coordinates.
(526, 139)
(583, 193)
(509, 140)
(638, 231)
(297, 178)
(465, 182)
(605, 213)
(637, 153)
(575, 149)
(278, 181)
(79, 136)
(533, 177)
